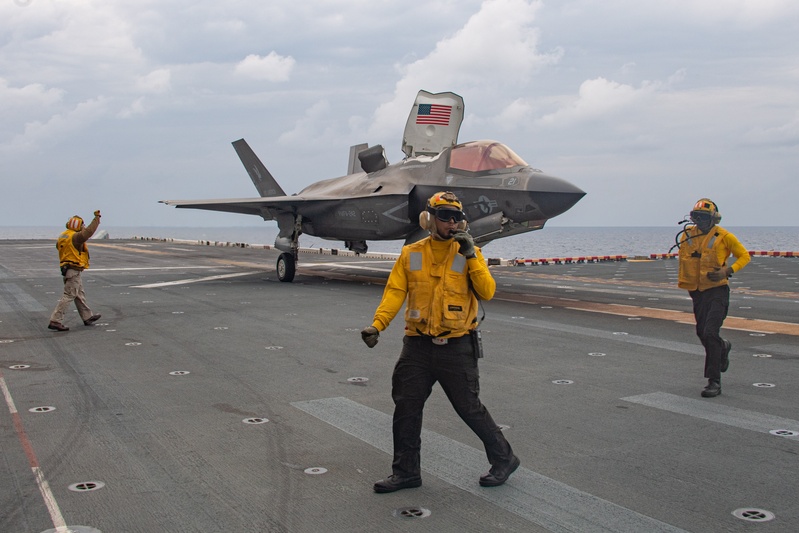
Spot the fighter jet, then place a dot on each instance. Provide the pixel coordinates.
(501, 194)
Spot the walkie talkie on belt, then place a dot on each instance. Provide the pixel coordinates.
(477, 342)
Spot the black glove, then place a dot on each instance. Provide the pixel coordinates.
(720, 274)
(466, 242)
(369, 334)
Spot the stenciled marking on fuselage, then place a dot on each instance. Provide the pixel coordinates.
(390, 213)
(486, 205)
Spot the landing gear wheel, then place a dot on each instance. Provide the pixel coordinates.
(286, 267)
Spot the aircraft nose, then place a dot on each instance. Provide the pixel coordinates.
(551, 195)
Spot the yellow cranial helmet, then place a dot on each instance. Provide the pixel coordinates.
(705, 205)
(75, 223)
(444, 199)
(705, 209)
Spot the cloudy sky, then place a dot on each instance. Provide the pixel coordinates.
(646, 105)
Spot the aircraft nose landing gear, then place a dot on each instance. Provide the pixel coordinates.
(286, 267)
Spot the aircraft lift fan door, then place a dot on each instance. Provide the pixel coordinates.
(433, 124)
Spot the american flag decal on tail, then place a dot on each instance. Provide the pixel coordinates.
(434, 114)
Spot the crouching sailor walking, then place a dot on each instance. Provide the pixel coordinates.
(442, 276)
(73, 255)
(704, 251)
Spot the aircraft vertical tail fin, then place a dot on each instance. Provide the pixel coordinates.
(355, 164)
(266, 184)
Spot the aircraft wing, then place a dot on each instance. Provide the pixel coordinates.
(267, 208)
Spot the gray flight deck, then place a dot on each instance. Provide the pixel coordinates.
(211, 397)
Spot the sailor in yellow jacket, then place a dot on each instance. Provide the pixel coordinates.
(441, 276)
(73, 256)
(704, 252)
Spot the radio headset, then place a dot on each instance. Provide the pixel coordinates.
(686, 223)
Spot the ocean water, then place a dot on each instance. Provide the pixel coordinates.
(548, 242)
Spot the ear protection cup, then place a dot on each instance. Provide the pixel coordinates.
(426, 221)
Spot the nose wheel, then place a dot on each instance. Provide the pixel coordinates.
(286, 267)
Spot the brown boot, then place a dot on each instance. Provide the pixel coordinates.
(58, 326)
(91, 320)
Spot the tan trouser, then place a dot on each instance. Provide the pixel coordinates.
(73, 292)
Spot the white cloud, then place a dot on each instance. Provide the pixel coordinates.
(783, 135)
(157, 81)
(597, 98)
(308, 131)
(273, 67)
(34, 95)
(497, 46)
(58, 125)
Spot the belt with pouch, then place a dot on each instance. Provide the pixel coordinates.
(444, 341)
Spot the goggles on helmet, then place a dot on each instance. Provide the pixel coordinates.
(700, 216)
(445, 215)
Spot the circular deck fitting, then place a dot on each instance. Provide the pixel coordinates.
(503, 427)
(412, 512)
(764, 385)
(753, 515)
(546, 307)
(132, 344)
(221, 327)
(273, 347)
(596, 354)
(110, 330)
(784, 433)
(6, 341)
(357, 380)
(620, 333)
(315, 470)
(179, 373)
(42, 409)
(763, 355)
(177, 312)
(86, 486)
(745, 307)
(633, 318)
(19, 367)
(255, 420)
(563, 382)
(146, 301)
(757, 334)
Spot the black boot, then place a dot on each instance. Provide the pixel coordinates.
(499, 474)
(725, 360)
(393, 483)
(712, 390)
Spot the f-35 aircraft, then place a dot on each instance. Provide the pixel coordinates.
(501, 194)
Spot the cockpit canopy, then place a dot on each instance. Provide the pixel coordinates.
(483, 156)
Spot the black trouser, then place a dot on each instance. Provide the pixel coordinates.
(710, 310)
(454, 366)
